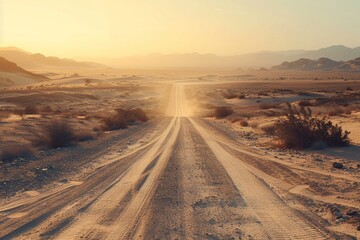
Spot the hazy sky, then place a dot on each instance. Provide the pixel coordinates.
(113, 28)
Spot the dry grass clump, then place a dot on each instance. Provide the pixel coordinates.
(114, 122)
(56, 133)
(304, 103)
(222, 112)
(299, 129)
(230, 95)
(336, 112)
(11, 152)
(244, 123)
(269, 129)
(267, 106)
(84, 135)
(123, 117)
(31, 109)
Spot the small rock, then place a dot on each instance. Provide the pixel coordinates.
(338, 165)
(352, 213)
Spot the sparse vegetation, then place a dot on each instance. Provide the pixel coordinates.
(269, 129)
(244, 123)
(11, 152)
(30, 109)
(230, 95)
(123, 117)
(304, 103)
(299, 129)
(84, 135)
(222, 112)
(267, 106)
(56, 133)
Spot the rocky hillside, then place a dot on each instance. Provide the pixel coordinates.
(322, 64)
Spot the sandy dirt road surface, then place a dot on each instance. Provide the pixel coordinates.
(187, 182)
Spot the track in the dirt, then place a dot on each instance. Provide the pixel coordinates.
(181, 185)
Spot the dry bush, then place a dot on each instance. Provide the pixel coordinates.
(269, 129)
(30, 109)
(263, 94)
(123, 117)
(254, 124)
(114, 122)
(336, 112)
(139, 114)
(11, 152)
(300, 130)
(53, 134)
(46, 109)
(244, 123)
(267, 106)
(222, 112)
(304, 103)
(230, 95)
(84, 135)
(271, 113)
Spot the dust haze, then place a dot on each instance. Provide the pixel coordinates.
(259, 145)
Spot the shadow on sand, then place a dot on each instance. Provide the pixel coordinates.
(350, 153)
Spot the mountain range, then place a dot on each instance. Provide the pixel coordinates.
(252, 60)
(322, 64)
(267, 59)
(40, 62)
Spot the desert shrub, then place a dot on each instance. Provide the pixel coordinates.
(84, 135)
(304, 103)
(263, 94)
(139, 114)
(267, 106)
(11, 152)
(244, 123)
(336, 112)
(53, 134)
(269, 129)
(30, 109)
(221, 112)
(230, 95)
(254, 124)
(114, 122)
(123, 117)
(299, 129)
(46, 109)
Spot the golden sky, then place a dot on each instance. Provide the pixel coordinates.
(114, 28)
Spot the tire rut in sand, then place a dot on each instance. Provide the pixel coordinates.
(277, 219)
(195, 198)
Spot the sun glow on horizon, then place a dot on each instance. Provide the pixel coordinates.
(113, 28)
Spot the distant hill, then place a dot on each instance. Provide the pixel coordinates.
(13, 75)
(40, 62)
(337, 53)
(322, 64)
(251, 60)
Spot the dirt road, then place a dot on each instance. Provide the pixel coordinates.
(187, 182)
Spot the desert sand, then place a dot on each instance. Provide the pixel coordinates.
(183, 174)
